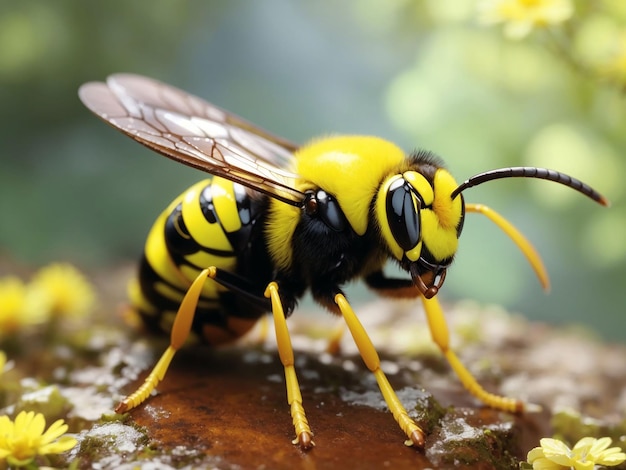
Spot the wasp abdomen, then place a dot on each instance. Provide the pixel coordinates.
(213, 223)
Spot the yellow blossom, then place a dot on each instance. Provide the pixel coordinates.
(585, 455)
(3, 362)
(22, 440)
(65, 289)
(520, 17)
(18, 307)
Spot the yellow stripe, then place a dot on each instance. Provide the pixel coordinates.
(158, 256)
(167, 292)
(204, 233)
(210, 288)
(204, 260)
(225, 204)
(137, 299)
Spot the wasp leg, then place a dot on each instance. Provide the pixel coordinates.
(391, 287)
(372, 361)
(385, 287)
(439, 331)
(180, 332)
(285, 351)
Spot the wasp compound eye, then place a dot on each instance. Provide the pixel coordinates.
(403, 205)
(322, 205)
(330, 212)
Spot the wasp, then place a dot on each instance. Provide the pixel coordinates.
(277, 219)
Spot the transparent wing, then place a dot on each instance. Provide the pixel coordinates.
(192, 131)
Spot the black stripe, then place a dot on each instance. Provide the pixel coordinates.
(179, 241)
(207, 206)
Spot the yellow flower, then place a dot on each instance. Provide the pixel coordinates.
(65, 289)
(585, 455)
(18, 307)
(521, 16)
(21, 441)
(3, 362)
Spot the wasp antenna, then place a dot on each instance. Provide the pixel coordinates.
(532, 172)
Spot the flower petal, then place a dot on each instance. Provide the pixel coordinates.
(63, 444)
(534, 454)
(611, 457)
(556, 451)
(545, 464)
(554, 447)
(564, 460)
(588, 465)
(21, 440)
(587, 443)
(37, 425)
(600, 445)
(23, 421)
(56, 429)
(6, 425)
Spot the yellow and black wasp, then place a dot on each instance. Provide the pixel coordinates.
(276, 220)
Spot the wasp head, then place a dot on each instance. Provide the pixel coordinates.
(421, 223)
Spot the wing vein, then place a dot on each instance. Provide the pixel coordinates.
(196, 133)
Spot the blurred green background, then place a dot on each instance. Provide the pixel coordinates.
(424, 74)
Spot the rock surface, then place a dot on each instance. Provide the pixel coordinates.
(227, 408)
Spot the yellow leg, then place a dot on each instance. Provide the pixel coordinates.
(304, 436)
(439, 332)
(180, 332)
(372, 361)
